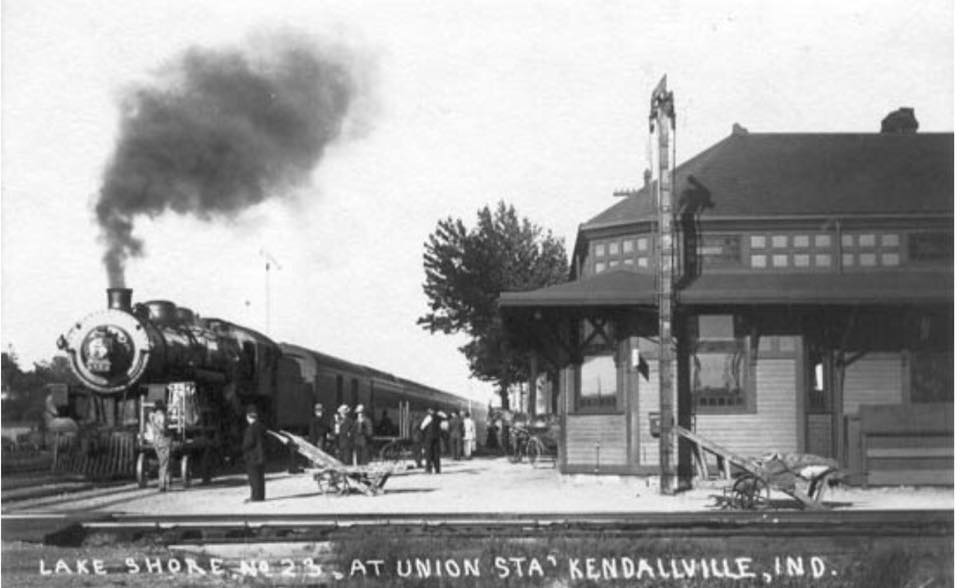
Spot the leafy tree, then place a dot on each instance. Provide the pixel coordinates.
(466, 270)
(24, 391)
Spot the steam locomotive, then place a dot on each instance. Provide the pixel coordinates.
(207, 370)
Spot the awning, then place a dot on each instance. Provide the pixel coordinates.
(628, 288)
(616, 288)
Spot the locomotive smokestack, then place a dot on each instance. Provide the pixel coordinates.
(119, 298)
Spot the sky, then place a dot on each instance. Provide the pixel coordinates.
(462, 104)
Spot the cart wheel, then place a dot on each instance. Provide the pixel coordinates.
(185, 470)
(142, 470)
(392, 452)
(534, 450)
(748, 492)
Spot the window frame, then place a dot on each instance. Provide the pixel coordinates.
(748, 346)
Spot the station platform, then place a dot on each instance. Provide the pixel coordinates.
(480, 485)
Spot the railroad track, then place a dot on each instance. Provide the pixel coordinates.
(199, 529)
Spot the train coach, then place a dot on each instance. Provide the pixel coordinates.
(207, 371)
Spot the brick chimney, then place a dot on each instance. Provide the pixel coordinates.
(900, 122)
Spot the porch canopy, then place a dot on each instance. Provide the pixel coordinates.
(628, 288)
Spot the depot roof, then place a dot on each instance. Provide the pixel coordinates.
(775, 174)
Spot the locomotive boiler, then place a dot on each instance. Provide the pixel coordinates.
(123, 346)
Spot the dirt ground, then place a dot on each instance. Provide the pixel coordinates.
(478, 485)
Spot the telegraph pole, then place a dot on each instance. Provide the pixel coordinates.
(268, 261)
(663, 127)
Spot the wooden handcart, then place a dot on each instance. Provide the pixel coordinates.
(333, 476)
(803, 477)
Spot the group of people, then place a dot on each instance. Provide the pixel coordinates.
(437, 434)
(350, 437)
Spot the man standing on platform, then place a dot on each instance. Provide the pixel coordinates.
(344, 433)
(253, 454)
(469, 434)
(431, 440)
(362, 436)
(319, 427)
(416, 439)
(456, 436)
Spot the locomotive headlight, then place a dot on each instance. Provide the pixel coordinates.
(106, 351)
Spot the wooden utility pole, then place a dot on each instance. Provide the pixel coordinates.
(663, 126)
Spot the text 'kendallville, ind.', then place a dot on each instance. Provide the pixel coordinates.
(659, 570)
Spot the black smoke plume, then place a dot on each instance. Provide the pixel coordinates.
(218, 132)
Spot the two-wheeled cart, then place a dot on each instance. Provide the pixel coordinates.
(803, 477)
(332, 476)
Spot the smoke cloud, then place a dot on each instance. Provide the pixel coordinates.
(219, 132)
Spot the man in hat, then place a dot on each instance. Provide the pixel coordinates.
(431, 440)
(158, 435)
(344, 433)
(362, 436)
(253, 454)
(319, 427)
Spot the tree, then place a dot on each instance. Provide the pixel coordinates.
(466, 270)
(24, 392)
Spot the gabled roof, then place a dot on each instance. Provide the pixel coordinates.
(774, 174)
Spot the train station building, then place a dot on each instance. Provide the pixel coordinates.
(814, 309)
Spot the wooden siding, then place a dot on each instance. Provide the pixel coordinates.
(876, 378)
(585, 432)
(773, 427)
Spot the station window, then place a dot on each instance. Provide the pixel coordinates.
(628, 246)
(596, 377)
(642, 244)
(597, 383)
(599, 250)
(614, 248)
(720, 366)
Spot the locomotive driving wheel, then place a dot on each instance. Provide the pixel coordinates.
(750, 492)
